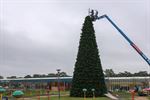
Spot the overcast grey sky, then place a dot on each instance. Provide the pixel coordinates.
(39, 36)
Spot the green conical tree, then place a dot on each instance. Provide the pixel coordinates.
(88, 71)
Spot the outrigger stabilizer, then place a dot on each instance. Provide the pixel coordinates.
(94, 16)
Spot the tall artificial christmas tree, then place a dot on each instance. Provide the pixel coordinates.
(88, 71)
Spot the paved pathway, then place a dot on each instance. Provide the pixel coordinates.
(111, 96)
(141, 98)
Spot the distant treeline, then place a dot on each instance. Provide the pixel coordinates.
(107, 73)
(111, 73)
(61, 74)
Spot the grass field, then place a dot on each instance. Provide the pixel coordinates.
(71, 98)
(32, 95)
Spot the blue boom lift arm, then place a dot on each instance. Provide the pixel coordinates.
(94, 16)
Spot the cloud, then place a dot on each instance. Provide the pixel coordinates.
(39, 36)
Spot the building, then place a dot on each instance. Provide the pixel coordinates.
(51, 83)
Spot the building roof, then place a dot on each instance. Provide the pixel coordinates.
(66, 79)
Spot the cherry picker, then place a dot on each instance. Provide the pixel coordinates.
(94, 16)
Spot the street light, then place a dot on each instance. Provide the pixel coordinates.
(84, 90)
(93, 90)
(58, 75)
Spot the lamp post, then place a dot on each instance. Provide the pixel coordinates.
(93, 90)
(84, 90)
(48, 95)
(58, 75)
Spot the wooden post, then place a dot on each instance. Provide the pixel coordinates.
(64, 86)
(1, 96)
(38, 95)
(48, 95)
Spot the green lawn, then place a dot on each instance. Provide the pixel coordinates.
(73, 98)
(32, 95)
(149, 98)
(127, 95)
